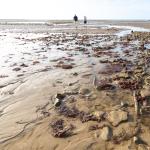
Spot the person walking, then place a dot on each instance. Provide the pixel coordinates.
(85, 24)
(75, 18)
(85, 20)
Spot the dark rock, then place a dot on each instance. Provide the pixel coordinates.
(60, 96)
(17, 69)
(65, 66)
(35, 62)
(23, 65)
(57, 102)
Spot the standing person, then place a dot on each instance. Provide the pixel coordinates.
(75, 18)
(85, 20)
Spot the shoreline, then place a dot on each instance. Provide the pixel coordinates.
(85, 63)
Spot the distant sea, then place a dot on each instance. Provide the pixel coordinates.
(22, 21)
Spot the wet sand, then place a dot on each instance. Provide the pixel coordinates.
(63, 88)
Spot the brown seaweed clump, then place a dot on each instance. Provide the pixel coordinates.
(68, 112)
(59, 129)
(85, 117)
(75, 113)
(105, 86)
(129, 84)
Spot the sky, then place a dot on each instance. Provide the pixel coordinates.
(66, 9)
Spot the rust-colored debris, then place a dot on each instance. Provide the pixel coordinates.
(129, 84)
(68, 112)
(60, 130)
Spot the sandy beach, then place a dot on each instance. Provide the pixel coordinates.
(67, 87)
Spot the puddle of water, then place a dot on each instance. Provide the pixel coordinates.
(128, 30)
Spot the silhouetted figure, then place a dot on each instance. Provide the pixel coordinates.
(75, 18)
(85, 20)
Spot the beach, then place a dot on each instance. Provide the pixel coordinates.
(66, 87)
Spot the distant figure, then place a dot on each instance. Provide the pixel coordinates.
(75, 18)
(85, 20)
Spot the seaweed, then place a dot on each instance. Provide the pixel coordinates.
(75, 113)
(85, 117)
(129, 84)
(68, 112)
(60, 130)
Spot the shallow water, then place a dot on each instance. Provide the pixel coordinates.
(17, 46)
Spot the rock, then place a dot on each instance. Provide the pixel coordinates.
(60, 96)
(64, 66)
(35, 62)
(70, 84)
(20, 75)
(99, 114)
(104, 61)
(93, 97)
(106, 134)
(123, 75)
(17, 69)
(124, 104)
(3, 76)
(57, 102)
(84, 91)
(23, 65)
(96, 135)
(75, 74)
(105, 86)
(145, 92)
(58, 99)
(135, 139)
(117, 116)
(136, 71)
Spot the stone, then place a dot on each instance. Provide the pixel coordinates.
(3, 76)
(20, 75)
(57, 102)
(58, 99)
(96, 135)
(23, 65)
(84, 91)
(124, 104)
(123, 75)
(135, 139)
(105, 86)
(115, 117)
(35, 62)
(106, 134)
(60, 96)
(75, 74)
(65, 66)
(17, 69)
(145, 92)
(99, 114)
(136, 71)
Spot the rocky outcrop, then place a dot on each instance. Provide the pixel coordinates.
(115, 117)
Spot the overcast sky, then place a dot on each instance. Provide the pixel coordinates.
(65, 9)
